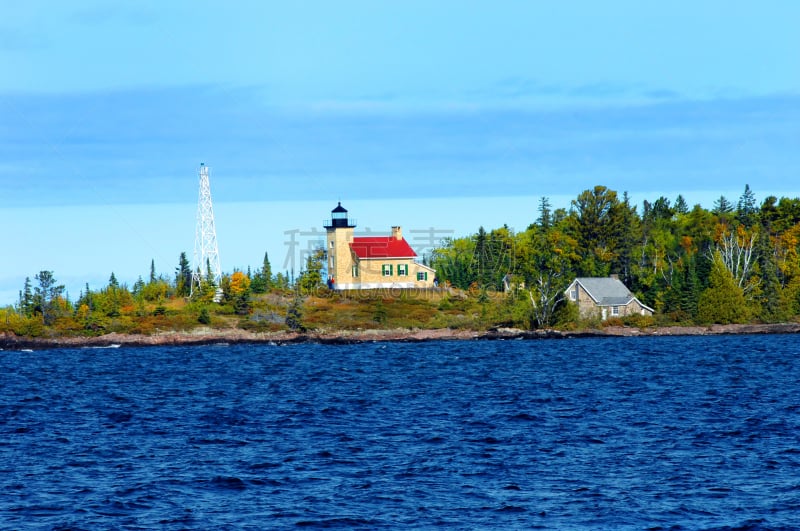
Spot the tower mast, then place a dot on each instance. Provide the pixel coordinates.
(206, 252)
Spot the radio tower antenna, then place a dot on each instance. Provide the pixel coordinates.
(206, 252)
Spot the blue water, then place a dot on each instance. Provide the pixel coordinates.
(624, 433)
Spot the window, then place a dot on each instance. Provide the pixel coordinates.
(615, 310)
(574, 294)
(422, 275)
(355, 270)
(386, 269)
(331, 244)
(402, 270)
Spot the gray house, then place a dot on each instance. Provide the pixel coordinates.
(604, 297)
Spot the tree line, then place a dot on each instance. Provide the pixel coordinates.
(44, 302)
(733, 263)
(737, 262)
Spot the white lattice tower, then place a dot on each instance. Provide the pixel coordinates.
(206, 252)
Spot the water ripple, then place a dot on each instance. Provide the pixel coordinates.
(630, 433)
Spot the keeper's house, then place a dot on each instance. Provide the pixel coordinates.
(370, 262)
(604, 297)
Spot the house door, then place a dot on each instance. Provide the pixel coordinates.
(604, 313)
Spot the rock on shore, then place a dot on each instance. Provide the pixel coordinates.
(203, 336)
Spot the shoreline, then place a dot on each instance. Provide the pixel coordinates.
(208, 336)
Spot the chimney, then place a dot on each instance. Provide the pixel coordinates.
(397, 232)
(614, 276)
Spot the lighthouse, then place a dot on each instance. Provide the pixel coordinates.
(341, 269)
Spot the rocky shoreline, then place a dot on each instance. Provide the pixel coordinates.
(207, 336)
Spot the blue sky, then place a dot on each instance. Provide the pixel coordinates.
(438, 116)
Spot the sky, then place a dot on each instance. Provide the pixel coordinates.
(438, 116)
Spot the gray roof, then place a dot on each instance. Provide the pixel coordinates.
(606, 291)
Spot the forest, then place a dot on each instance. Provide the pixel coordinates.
(735, 263)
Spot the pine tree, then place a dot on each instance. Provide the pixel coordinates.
(545, 214)
(773, 305)
(262, 280)
(294, 315)
(722, 206)
(626, 228)
(266, 270)
(680, 205)
(690, 287)
(723, 302)
(311, 278)
(138, 287)
(183, 277)
(26, 299)
(482, 259)
(746, 209)
(598, 218)
(152, 270)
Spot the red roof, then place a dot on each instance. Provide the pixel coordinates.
(381, 247)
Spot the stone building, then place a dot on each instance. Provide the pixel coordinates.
(604, 297)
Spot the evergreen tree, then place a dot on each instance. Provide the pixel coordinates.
(769, 212)
(311, 278)
(26, 303)
(294, 315)
(773, 306)
(282, 281)
(722, 206)
(482, 262)
(680, 206)
(746, 210)
(454, 262)
(626, 228)
(266, 270)
(183, 277)
(262, 280)
(597, 223)
(152, 270)
(87, 299)
(545, 214)
(723, 302)
(138, 287)
(689, 287)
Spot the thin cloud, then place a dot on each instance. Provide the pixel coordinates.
(118, 141)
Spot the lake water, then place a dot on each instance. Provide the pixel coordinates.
(620, 433)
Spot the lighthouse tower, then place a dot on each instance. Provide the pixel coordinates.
(341, 268)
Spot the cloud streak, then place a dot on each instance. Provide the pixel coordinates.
(119, 143)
